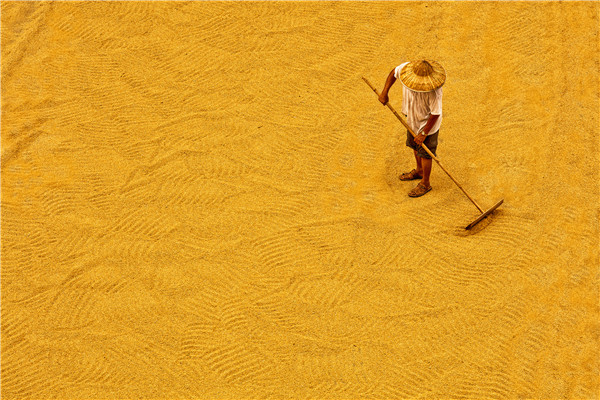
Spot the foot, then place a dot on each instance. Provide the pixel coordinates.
(419, 190)
(410, 176)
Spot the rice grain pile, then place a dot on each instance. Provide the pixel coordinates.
(201, 200)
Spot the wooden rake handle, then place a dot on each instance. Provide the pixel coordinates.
(401, 118)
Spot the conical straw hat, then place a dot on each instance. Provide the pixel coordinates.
(423, 75)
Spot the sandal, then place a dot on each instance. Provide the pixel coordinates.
(419, 190)
(410, 176)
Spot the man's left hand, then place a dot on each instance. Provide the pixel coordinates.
(420, 138)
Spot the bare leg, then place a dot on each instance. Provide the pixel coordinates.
(419, 165)
(426, 163)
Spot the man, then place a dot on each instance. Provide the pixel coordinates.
(422, 82)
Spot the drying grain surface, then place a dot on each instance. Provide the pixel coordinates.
(200, 200)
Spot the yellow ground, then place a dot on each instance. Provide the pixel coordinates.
(200, 200)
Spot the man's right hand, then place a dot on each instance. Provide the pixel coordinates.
(383, 98)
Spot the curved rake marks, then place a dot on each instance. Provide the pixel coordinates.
(58, 200)
(483, 384)
(347, 371)
(327, 291)
(15, 329)
(34, 23)
(239, 365)
(93, 369)
(110, 362)
(342, 388)
(205, 304)
(430, 216)
(145, 223)
(72, 246)
(282, 250)
(417, 378)
(301, 245)
(34, 239)
(282, 210)
(124, 246)
(25, 376)
(103, 200)
(72, 310)
(147, 171)
(16, 149)
(198, 337)
(100, 282)
(143, 150)
(510, 118)
(528, 356)
(282, 312)
(394, 253)
(212, 198)
(327, 235)
(519, 35)
(236, 316)
(446, 274)
(322, 286)
(495, 353)
(217, 165)
(36, 299)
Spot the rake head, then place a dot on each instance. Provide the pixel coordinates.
(484, 215)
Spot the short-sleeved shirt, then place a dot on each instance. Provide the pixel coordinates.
(418, 106)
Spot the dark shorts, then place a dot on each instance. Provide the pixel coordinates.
(431, 142)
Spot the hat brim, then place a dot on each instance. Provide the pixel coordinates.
(426, 83)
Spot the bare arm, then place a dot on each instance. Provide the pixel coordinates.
(383, 97)
(430, 123)
(420, 138)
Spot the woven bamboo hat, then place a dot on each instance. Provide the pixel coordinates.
(423, 75)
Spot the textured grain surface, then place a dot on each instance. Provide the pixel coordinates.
(200, 200)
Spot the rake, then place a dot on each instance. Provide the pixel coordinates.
(484, 214)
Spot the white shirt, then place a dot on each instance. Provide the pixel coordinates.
(418, 106)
